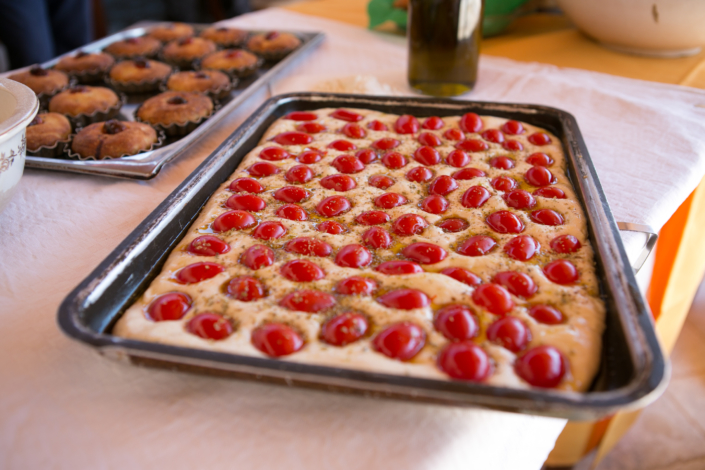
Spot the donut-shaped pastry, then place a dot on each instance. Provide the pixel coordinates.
(85, 62)
(273, 44)
(46, 130)
(225, 37)
(41, 80)
(175, 107)
(234, 61)
(139, 70)
(203, 81)
(143, 46)
(171, 31)
(186, 50)
(112, 139)
(83, 100)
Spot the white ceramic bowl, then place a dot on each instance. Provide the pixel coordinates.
(662, 28)
(18, 106)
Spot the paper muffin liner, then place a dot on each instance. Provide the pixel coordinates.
(119, 57)
(142, 86)
(53, 151)
(217, 94)
(241, 72)
(161, 138)
(177, 129)
(181, 64)
(82, 120)
(273, 56)
(87, 77)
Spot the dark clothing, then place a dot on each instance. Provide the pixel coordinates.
(35, 31)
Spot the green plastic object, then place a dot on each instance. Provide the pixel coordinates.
(498, 14)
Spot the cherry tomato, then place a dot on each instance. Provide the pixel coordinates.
(339, 183)
(293, 138)
(442, 185)
(430, 140)
(542, 366)
(435, 204)
(405, 299)
(465, 361)
(299, 174)
(565, 244)
(377, 126)
(539, 159)
(539, 138)
(468, 174)
(519, 284)
(462, 275)
(477, 245)
(353, 256)
(257, 256)
(386, 143)
(433, 123)
(472, 145)
(348, 164)
(333, 206)
(233, 220)
(475, 197)
(420, 174)
(493, 135)
(512, 128)
(561, 271)
(394, 160)
(245, 289)
(274, 154)
(398, 267)
(381, 181)
(208, 245)
(522, 248)
(409, 224)
(389, 200)
(345, 115)
(458, 158)
(301, 116)
(454, 134)
(372, 218)
(209, 326)
(512, 145)
(519, 199)
(550, 192)
(510, 333)
(246, 202)
(311, 127)
(246, 185)
(262, 169)
(308, 157)
(366, 156)
(269, 230)
(308, 246)
(495, 299)
(406, 124)
(310, 301)
(276, 339)
(377, 237)
(546, 314)
(331, 227)
(344, 329)
(425, 253)
(291, 194)
(505, 222)
(168, 307)
(503, 183)
(547, 217)
(539, 176)
(400, 341)
(356, 285)
(342, 145)
(470, 123)
(292, 212)
(427, 156)
(453, 225)
(502, 163)
(301, 270)
(354, 131)
(456, 322)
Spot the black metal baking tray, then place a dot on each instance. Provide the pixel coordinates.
(146, 165)
(633, 370)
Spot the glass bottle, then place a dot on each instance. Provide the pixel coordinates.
(444, 45)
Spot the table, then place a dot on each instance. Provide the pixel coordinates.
(679, 261)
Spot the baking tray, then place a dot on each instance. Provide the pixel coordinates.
(147, 165)
(633, 371)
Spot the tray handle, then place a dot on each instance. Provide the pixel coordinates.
(651, 237)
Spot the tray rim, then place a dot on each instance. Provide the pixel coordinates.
(147, 165)
(651, 368)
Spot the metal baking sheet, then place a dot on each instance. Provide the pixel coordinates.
(633, 370)
(147, 165)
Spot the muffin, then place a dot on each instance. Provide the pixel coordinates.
(86, 104)
(235, 62)
(143, 46)
(86, 67)
(138, 75)
(225, 37)
(215, 84)
(42, 81)
(176, 112)
(47, 135)
(113, 139)
(183, 52)
(273, 45)
(171, 31)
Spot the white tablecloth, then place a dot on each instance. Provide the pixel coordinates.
(63, 406)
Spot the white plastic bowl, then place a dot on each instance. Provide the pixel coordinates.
(18, 106)
(661, 28)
